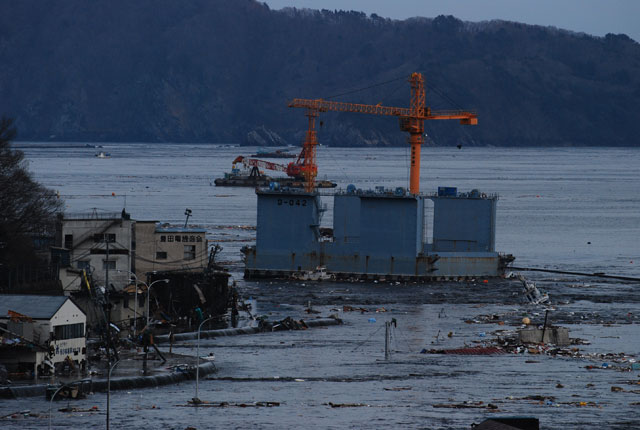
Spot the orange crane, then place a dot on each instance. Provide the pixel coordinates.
(411, 120)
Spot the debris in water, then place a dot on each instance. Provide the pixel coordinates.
(397, 388)
(347, 405)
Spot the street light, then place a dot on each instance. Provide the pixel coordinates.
(109, 390)
(57, 391)
(135, 305)
(149, 293)
(196, 400)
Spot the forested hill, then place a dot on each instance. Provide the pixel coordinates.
(223, 71)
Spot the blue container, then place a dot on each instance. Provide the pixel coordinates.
(447, 191)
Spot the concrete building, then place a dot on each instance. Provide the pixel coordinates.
(162, 248)
(40, 333)
(92, 246)
(101, 243)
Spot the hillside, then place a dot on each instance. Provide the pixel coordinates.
(218, 71)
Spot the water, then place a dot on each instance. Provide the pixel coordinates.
(553, 202)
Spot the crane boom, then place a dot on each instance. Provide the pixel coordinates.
(261, 164)
(322, 105)
(411, 120)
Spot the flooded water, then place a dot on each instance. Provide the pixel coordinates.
(573, 209)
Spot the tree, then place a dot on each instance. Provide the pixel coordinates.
(28, 210)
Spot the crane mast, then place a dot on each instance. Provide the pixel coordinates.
(411, 120)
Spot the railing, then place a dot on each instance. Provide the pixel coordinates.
(92, 215)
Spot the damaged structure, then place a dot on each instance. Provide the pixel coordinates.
(110, 257)
(40, 334)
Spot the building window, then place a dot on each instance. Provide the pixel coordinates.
(189, 252)
(109, 264)
(163, 238)
(68, 331)
(169, 238)
(68, 241)
(178, 238)
(185, 238)
(199, 238)
(192, 239)
(84, 265)
(161, 255)
(107, 237)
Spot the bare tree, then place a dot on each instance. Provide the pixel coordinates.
(27, 209)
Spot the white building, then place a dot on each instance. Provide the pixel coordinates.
(40, 331)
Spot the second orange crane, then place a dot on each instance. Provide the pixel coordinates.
(411, 120)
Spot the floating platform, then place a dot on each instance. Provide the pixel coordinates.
(377, 234)
(238, 180)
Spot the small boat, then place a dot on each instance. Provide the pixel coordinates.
(533, 295)
(278, 153)
(103, 154)
(319, 274)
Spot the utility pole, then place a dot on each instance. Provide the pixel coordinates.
(387, 340)
(187, 212)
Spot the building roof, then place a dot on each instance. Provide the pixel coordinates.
(180, 230)
(33, 306)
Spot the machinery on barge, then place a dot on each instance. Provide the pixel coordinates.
(394, 234)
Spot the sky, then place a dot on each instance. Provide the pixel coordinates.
(596, 17)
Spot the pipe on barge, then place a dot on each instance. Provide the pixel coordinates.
(566, 272)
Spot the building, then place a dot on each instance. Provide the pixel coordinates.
(40, 333)
(103, 244)
(160, 248)
(95, 246)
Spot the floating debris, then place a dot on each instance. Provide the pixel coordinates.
(203, 403)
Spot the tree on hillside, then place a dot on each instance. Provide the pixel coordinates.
(27, 209)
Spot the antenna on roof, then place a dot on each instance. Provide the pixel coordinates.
(187, 212)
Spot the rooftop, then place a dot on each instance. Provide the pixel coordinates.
(180, 230)
(33, 306)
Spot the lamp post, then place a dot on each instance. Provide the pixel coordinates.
(149, 293)
(196, 399)
(58, 390)
(135, 304)
(109, 390)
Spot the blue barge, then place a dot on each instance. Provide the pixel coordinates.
(377, 234)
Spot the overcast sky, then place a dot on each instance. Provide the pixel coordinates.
(597, 17)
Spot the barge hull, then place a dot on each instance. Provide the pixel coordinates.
(375, 235)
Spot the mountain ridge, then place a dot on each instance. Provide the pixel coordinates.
(219, 71)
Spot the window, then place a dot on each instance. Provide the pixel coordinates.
(107, 237)
(68, 331)
(169, 238)
(109, 264)
(199, 238)
(161, 255)
(189, 252)
(192, 239)
(84, 264)
(68, 241)
(163, 238)
(185, 238)
(178, 238)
